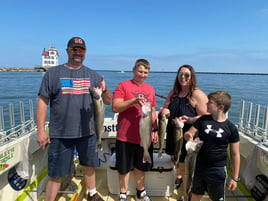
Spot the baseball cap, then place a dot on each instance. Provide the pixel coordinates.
(76, 42)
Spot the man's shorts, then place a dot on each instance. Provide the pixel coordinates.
(61, 155)
(129, 156)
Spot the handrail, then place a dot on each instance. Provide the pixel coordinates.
(255, 126)
(14, 131)
(252, 126)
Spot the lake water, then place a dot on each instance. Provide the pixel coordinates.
(24, 86)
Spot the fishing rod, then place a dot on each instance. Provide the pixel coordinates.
(160, 96)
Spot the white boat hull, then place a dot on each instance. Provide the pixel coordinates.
(23, 150)
(14, 154)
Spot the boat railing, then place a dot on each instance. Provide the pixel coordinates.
(253, 121)
(12, 131)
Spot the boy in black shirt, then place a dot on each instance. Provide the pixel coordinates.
(216, 132)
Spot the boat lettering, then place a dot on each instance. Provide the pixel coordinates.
(110, 128)
(7, 155)
(7, 152)
(4, 160)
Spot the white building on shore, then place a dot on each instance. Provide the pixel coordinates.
(50, 57)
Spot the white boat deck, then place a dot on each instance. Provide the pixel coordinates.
(79, 191)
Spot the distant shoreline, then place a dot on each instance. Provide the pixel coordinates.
(16, 69)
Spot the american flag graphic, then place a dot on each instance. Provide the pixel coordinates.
(75, 86)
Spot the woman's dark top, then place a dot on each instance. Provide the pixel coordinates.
(178, 107)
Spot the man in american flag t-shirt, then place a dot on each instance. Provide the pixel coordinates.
(71, 119)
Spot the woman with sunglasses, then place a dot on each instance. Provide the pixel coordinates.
(188, 102)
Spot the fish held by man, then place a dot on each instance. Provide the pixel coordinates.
(178, 138)
(99, 110)
(192, 148)
(162, 124)
(145, 130)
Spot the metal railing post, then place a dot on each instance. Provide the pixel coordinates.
(31, 111)
(265, 124)
(2, 124)
(241, 117)
(248, 132)
(256, 120)
(22, 117)
(11, 118)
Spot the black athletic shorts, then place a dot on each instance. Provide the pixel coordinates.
(129, 156)
(212, 181)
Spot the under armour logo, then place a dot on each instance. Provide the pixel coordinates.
(209, 128)
(218, 132)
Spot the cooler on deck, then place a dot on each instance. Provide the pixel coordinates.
(158, 182)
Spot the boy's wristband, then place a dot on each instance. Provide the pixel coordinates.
(236, 179)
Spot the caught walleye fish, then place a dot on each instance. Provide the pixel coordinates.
(145, 130)
(99, 114)
(192, 148)
(162, 124)
(178, 138)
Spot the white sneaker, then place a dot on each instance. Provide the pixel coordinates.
(144, 197)
(122, 197)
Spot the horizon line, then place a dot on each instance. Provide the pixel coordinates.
(10, 69)
(197, 72)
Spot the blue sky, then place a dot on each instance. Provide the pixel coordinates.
(211, 35)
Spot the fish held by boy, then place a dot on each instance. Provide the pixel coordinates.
(145, 130)
(178, 138)
(192, 148)
(99, 114)
(162, 124)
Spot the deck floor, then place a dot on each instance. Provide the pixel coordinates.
(79, 192)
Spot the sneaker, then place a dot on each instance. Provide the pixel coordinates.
(95, 197)
(180, 198)
(122, 197)
(178, 182)
(144, 197)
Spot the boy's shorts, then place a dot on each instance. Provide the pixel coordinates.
(212, 181)
(129, 156)
(61, 155)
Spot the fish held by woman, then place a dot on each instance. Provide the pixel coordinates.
(162, 124)
(178, 138)
(145, 130)
(99, 110)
